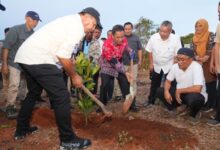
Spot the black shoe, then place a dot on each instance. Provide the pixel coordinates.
(11, 112)
(134, 109)
(75, 144)
(118, 98)
(22, 134)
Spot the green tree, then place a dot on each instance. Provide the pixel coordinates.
(187, 39)
(144, 29)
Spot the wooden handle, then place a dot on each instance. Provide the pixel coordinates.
(100, 104)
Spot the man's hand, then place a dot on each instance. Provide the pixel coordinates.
(177, 94)
(168, 97)
(5, 69)
(77, 81)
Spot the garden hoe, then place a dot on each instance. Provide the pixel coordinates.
(130, 97)
(100, 104)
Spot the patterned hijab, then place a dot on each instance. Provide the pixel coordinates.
(200, 39)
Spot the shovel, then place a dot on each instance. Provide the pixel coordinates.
(100, 104)
(130, 97)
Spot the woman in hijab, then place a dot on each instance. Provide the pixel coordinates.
(203, 42)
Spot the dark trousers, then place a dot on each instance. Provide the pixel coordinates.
(194, 101)
(218, 100)
(111, 89)
(155, 84)
(95, 79)
(50, 78)
(106, 80)
(211, 91)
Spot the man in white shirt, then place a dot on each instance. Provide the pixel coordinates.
(162, 48)
(190, 88)
(41, 57)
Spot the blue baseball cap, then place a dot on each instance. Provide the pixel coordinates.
(186, 51)
(33, 15)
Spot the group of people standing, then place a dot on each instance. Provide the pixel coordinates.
(190, 74)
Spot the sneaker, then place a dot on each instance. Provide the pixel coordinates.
(75, 144)
(22, 134)
(213, 122)
(11, 112)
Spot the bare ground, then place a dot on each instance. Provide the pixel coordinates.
(149, 129)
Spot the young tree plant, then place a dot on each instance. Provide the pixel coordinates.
(86, 69)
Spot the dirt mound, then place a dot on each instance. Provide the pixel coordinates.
(122, 132)
(45, 117)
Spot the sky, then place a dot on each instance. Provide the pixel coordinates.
(182, 13)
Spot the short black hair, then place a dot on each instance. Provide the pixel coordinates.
(219, 3)
(6, 30)
(103, 38)
(128, 23)
(98, 28)
(109, 31)
(117, 28)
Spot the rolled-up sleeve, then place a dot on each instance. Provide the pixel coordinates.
(10, 39)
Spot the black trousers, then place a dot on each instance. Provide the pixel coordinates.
(50, 78)
(155, 84)
(106, 80)
(194, 101)
(111, 89)
(211, 91)
(218, 100)
(95, 79)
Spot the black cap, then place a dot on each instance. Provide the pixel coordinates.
(33, 15)
(186, 51)
(2, 7)
(92, 11)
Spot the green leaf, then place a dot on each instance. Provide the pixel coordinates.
(95, 70)
(81, 104)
